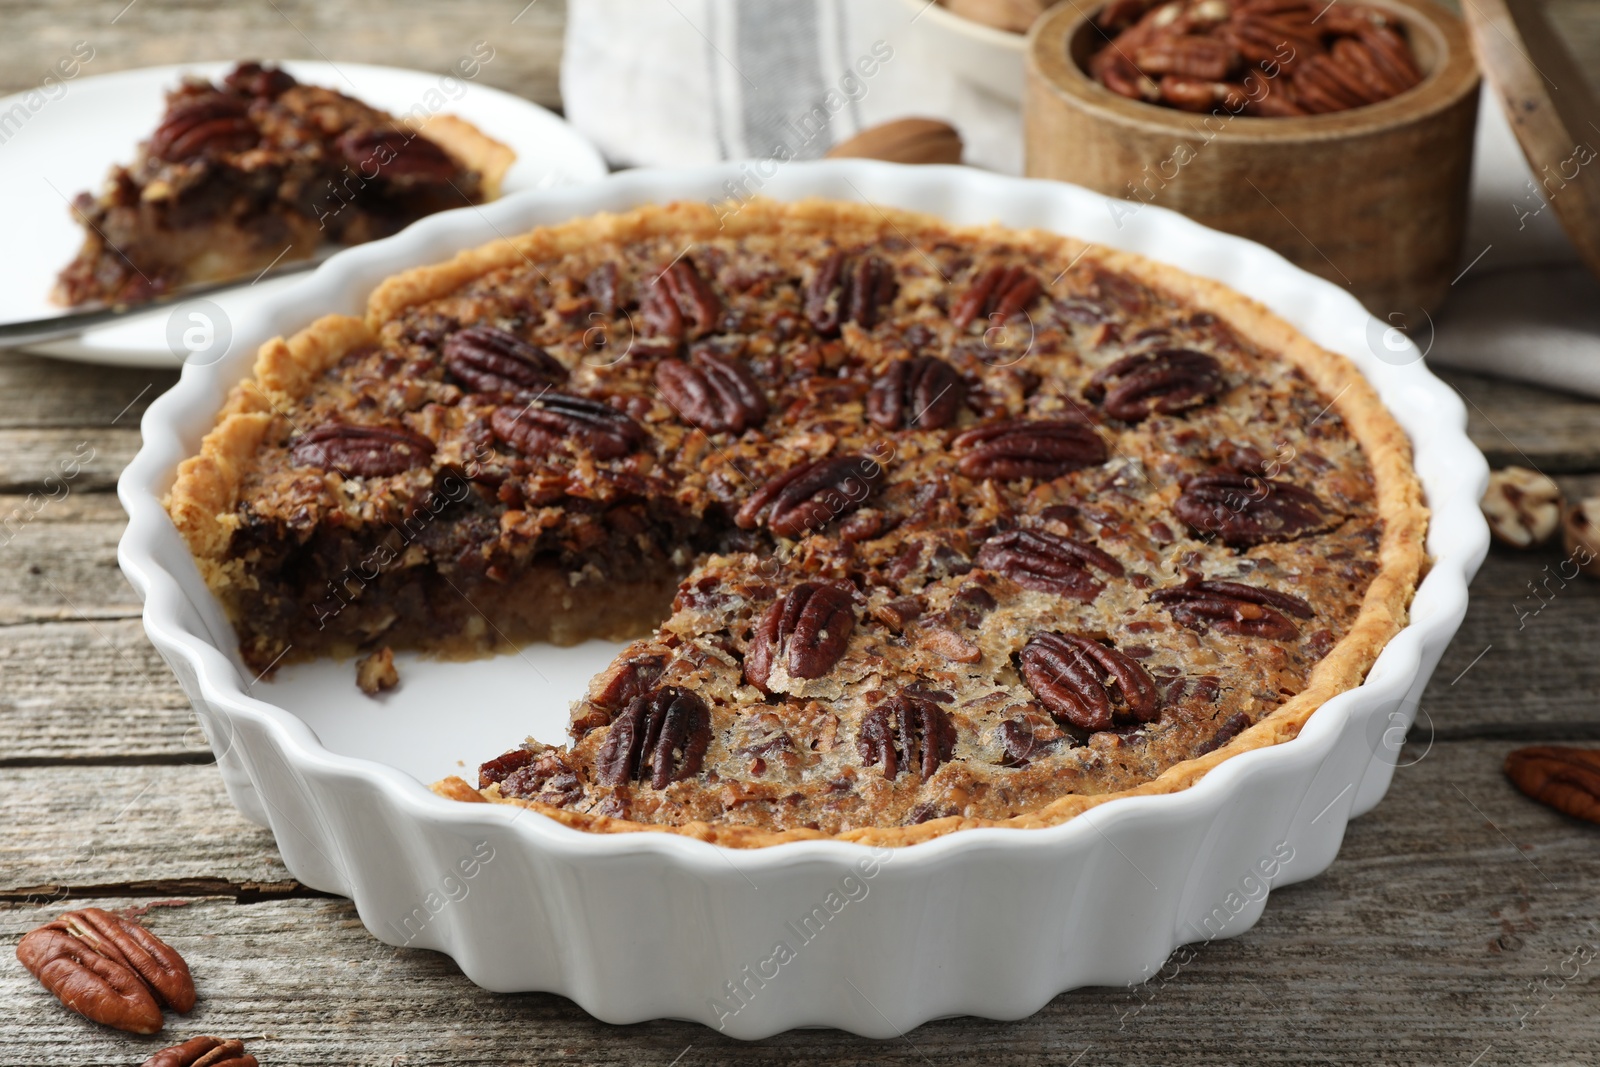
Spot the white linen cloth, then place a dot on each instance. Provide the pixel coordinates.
(678, 82)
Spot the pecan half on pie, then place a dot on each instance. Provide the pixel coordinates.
(914, 528)
(258, 169)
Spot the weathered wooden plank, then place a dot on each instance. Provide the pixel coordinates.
(1522, 664)
(90, 690)
(71, 826)
(60, 556)
(1526, 425)
(50, 462)
(37, 392)
(526, 37)
(1446, 930)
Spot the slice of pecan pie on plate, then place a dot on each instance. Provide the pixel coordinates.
(258, 169)
(914, 527)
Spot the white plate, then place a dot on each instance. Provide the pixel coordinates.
(981, 55)
(66, 145)
(989, 922)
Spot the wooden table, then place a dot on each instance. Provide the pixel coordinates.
(1439, 935)
(1452, 929)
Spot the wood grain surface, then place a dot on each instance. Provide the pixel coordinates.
(1435, 938)
(416, 34)
(1459, 924)
(1448, 929)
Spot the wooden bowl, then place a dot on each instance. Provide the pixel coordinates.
(1374, 198)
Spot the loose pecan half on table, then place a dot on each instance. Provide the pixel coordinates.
(108, 969)
(1565, 778)
(204, 1052)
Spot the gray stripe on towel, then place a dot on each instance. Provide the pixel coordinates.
(778, 44)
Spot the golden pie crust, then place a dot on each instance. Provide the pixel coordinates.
(204, 499)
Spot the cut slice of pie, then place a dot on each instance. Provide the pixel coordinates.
(916, 527)
(259, 169)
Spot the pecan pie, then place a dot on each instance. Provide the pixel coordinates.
(258, 169)
(915, 527)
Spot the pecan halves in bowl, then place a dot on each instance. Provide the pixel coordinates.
(810, 496)
(713, 391)
(1164, 381)
(1049, 563)
(666, 733)
(1085, 683)
(1209, 58)
(1321, 85)
(1113, 69)
(1029, 448)
(555, 420)
(204, 1052)
(910, 729)
(809, 628)
(1306, 58)
(1234, 608)
(487, 359)
(361, 451)
(1371, 67)
(108, 969)
(1562, 777)
(921, 393)
(1247, 509)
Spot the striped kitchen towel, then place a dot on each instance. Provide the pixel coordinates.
(679, 82)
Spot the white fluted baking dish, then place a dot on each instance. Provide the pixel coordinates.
(638, 926)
